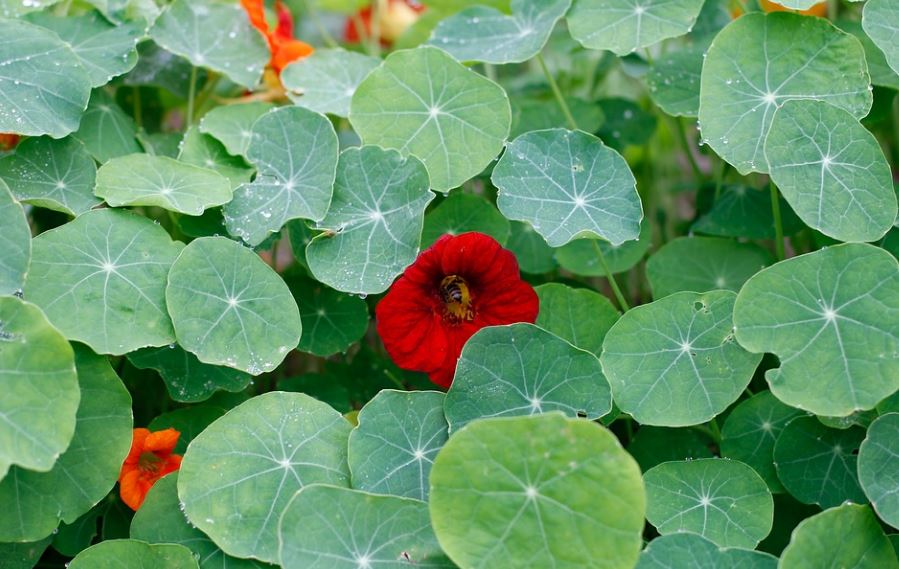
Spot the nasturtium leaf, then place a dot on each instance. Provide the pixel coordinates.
(723, 500)
(846, 536)
(817, 464)
(878, 469)
(44, 88)
(160, 143)
(460, 213)
(115, 553)
(142, 179)
(540, 113)
(393, 448)
(741, 211)
(106, 268)
(232, 125)
(51, 173)
(831, 170)
(696, 552)
(214, 35)
(106, 131)
(522, 369)
(372, 230)
(579, 316)
(568, 184)
(626, 124)
(186, 378)
(16, 8)
(15, 242)
(39, 386)
(238, 475)
(751, 430)
(859, 418)
(481, 33)
(623, 26)
(701, 264)
(206, 151)
(160, 68)
(836, 335)
(760, 61)
(332, 321)
(423, 102)
(881, 72)
(534, 255)
(537, 491)
(674, 362)
(160, 520)
(229, 308)
(35, 502)
(72, 539)
(673, 81)
(581, 258)
(295, 153)
(22, 555)
(652, 446)
(880, 20)
(104, 50)
(326, 80)
(327, 527)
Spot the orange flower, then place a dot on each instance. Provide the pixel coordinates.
(394, 18)
(284, 48)
(8, 141)
(149, 460)
(819, 9)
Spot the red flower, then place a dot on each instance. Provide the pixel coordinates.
(452, 290)
(8, 141)
(284, 48)
(394, 18)
(149, 460)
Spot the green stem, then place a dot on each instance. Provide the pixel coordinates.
(719, 179)
(557, 93)
(206, 92)
(490, 72)
(682, 135)
(322, 30)
(138, 113)
(395, 380)
(191, 95)
(611, 278)
(715, 431)
(778, 225)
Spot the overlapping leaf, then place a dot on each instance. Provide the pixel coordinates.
(115, 553)
(232, 125)
(578, 315)
(880, 19)
(187, 378)
(332, 321)
(694, 551)
(326, 80)
(878, 470)
(460, 213)
(15, 242)
(105, 129)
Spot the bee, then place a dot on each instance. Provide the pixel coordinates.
(451, 289)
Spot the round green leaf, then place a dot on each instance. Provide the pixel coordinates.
(481, 33)
(832, 317)
(579, 316)
(333, 321)
(696, 552)
(652, 446)
(537, 491)
(758, 62)
(213, 35)
(722, 500)
(15, 242)
(35, 502)
(542, 112)
(56, 174)
(39, 386)
(206, 151)
(752, 429)
(741, 211)
(393, 448)
(160, 520)
(673, 81)
(878, 469)
(232, 125)
(22, 555)
(107, 268)
(16, 8)
(847, 536)
(372, 231)
(142, 179)
(460, 213)
(626, 124)
(238, 475)
(567, 184)
(674, 362)
(534, 255)
(880, 20)
(831, 170)
(229, 308)
(187, 379)
(160, 68)
(105, 130)
(44, 88)
(112, 554)
(521, 369)
(701, 264)
(104, 50)
(817, 464)
(326, 527)
(623, 26)
(881, 73)
(581, 258)
(295, 153)
(423, 102)
(325, 81)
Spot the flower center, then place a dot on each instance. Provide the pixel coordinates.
(149, 462)
(456, 298)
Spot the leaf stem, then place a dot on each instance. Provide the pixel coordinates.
(778, 225)
(490, 72)
(191, 95)
(611, 278)
(719, 178)
(322, 30)
(557, 93)
(682, 135)
(136, 102)
(375, 37)
(715, 431)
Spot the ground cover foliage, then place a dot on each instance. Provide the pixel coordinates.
(518, 283)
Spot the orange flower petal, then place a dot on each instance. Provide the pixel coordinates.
(137, 446)
(289, 52)
(162, 441)
(132, 489)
